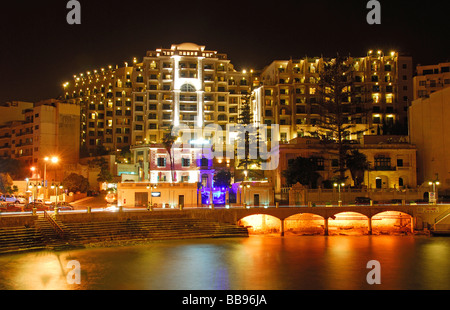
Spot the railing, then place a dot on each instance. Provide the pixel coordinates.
(59, 231)
(442, 216)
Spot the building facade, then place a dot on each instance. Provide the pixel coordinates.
(392, 162)
(46, 129)
(135, 104)
(382, 84)
(430, 79)
(429, 132)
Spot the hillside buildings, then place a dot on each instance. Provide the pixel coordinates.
(430, 79)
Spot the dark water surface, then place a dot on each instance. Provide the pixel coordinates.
(254, 263)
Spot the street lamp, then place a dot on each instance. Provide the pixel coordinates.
(53, 160)
(55, 187)
(338, 185)
(151, 187)
(432, 197)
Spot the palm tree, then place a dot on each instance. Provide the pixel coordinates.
(168, 141)
(357, 163)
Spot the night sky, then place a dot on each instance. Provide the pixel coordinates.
(40, 51)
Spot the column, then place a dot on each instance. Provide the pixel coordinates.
(200, 92)
(325, 226)
(282, 228)
(369, 222)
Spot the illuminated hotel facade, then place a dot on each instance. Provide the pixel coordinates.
(189, 85)
(382, 85)
(136, 104)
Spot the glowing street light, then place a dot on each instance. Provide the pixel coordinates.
(432, 197)
(53, 160)
(338, 185)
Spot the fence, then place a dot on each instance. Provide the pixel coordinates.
(301, 196)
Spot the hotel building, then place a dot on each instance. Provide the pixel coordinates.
(136, 104)
(382, 84)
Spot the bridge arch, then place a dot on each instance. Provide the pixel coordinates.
(304, 224)
(392, 222)
(349, 222)
(261, 223)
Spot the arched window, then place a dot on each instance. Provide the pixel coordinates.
(400, 182)
(187, 88)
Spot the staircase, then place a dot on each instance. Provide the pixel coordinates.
(50, 233)
(52, 239)
(151, 229)
(442, 224)
(20, 239)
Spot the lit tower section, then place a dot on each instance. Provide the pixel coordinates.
(200, 92)
(176, 90)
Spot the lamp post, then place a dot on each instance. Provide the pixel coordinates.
(338, 185)
(53, 160)
(151, 187)
(56, 187)
(432, 197)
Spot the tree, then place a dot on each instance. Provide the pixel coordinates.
(6, 182)
(337, 108)
(76, 183)
(168, 141)
(15, 168)
(251, 138)
(302, 170)
(105, 174)
(222, 178)
(357, 163)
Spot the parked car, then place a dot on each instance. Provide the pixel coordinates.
(10, 207)
(64, 206)
(396, 202)
(39, 206)
(12, 198)
(362, 200)
(21, 200)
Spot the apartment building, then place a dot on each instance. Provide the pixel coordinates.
(430, 79)
(49, 128)
(13, 111)
(429, 131)
(382, 83)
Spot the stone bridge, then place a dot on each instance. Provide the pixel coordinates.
(422, 216)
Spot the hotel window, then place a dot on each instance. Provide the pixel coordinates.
(187, 88)
(382, 162)
(138, 127)
(389, 99)
(185, 162)
(161, 162)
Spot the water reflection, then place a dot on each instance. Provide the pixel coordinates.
(258, 262)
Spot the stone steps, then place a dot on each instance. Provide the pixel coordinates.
(42, 235)
(16, 239)
(156, 229)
